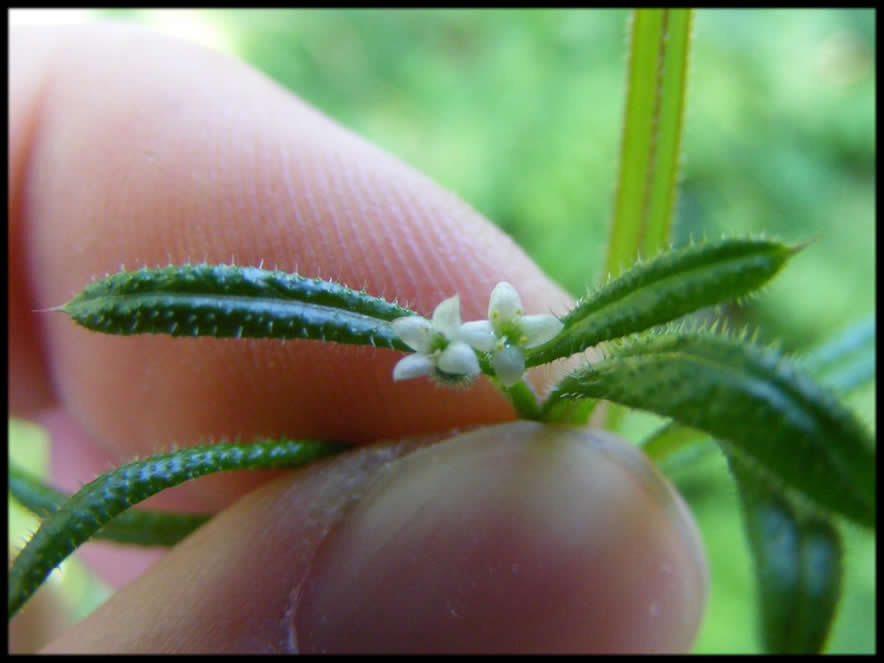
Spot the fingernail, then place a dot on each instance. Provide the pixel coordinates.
(511, 538)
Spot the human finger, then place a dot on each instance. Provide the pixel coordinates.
(132, 149)
(511, 538)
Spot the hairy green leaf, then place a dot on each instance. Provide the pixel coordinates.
(136, 527)
(663, 289)
(797, 562)
(844, 363)
(231, 301)
(110, 494)
(760, 406)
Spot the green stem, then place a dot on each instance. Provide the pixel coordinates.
(524, 399)
(652, 130)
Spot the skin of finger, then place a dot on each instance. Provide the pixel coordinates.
(29, 377)
(45, 616)
(512, 538)
(139, 150)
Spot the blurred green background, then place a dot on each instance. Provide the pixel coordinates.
(520, 112)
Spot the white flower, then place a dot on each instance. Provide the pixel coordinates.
(439, 348)
(445, 348)
(507, 331)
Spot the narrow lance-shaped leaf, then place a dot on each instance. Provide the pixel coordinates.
(748, 397)
(797, 554)
(135, 526)
(110, 494)
(847, 361)
(671, 285)
(844, 363)
(797, 565)
(855, 339)
(232, 301)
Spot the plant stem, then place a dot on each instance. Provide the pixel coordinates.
(524, 399)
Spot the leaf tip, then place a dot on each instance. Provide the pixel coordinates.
(61, 308)
(799, 247)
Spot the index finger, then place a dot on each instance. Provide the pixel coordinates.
(128, 149)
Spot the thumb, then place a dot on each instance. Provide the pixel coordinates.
(510, 538)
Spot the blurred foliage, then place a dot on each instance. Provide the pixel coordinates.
(520, 114)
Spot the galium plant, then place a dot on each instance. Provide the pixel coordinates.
(800, 458)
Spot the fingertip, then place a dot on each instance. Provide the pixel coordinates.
(177, 155)
(510, 538)
(514, 538)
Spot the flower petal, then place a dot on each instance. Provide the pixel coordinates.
(540, 328)
(416, 332)
(446, 317)
(458, 359)
(509, 365)
(412, 366)
(478, 334)
(504, 304)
